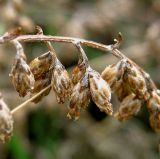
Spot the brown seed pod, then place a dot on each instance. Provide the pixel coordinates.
(21, 75)
(6, 121)
(40, 84)
(80, 97)
(42, 71)
(153, 106)
(100, 92)
(130, 106)
(135, 81)
(41, 65)
(61, 81)
(155, 121)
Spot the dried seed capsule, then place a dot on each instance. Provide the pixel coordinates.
(155, 121)
(61, 81)
(40, 84)
(135, 81)
(100, 92)
(40, 65)
(110, 74)
(6, 122)
(78, 73)
(21, 75)
(130, 106)
(153, 106)
(41, 69)
(80, 97)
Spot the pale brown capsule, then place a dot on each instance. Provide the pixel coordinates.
(41, 65)
(135, 81)
(153, 106)
(6, 121)
(100, 92)
(80, 97)
(61, 81)
(110, 74)
(155, 121)
(42, 71)
(78, 73)
(129, 107)
(40, 84)
(21, 76)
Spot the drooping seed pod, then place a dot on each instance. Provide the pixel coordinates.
(6, 121)
(135, 81)
(80, 97)
(40, 65)
(153, 106)
(42, 71)
(40, 84)
(100, 92)
(61, 81)
(129, 107)
(21, 75)
(113, 75)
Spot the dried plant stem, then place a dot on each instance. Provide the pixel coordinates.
(29, 100)
(36, 38)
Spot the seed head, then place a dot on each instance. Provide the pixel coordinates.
(129, 106)
(21, 75)
(135, 81)
(6, 122)
(80, 97)
(153, 106)
(41, 69)
(61, 81)
(100, 92)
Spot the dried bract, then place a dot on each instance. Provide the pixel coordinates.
(21, 75)
(135, 81)
(130, 106)
(61, 81)
(100, 92)
(41, 69)
(6, 121)
(80, 97)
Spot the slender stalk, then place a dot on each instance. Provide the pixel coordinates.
(21, 106)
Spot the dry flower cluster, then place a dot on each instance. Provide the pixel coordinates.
(131, 84)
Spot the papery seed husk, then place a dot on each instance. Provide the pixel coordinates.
(129, 107)
(100, 92)
(155, 121)
(80, 96)
(61, 82)
(40, 84)
(135, 81)
(6, 122)
(41, 64)
(22, 77)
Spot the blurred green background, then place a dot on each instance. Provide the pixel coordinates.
(42, 131)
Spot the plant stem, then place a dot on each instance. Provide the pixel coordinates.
(29, 100)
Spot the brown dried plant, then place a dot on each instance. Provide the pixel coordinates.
(128, 81)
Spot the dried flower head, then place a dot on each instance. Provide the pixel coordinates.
(21, 75)
(6, 121)
(80, 97)
(41, 69)
(129, 106)
(135, 81)
(61, 81)
(100, 92)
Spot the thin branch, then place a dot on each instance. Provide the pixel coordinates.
(29, 100)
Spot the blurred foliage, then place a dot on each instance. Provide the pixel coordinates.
(42, 130)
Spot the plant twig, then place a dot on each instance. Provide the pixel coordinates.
(29, 100)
